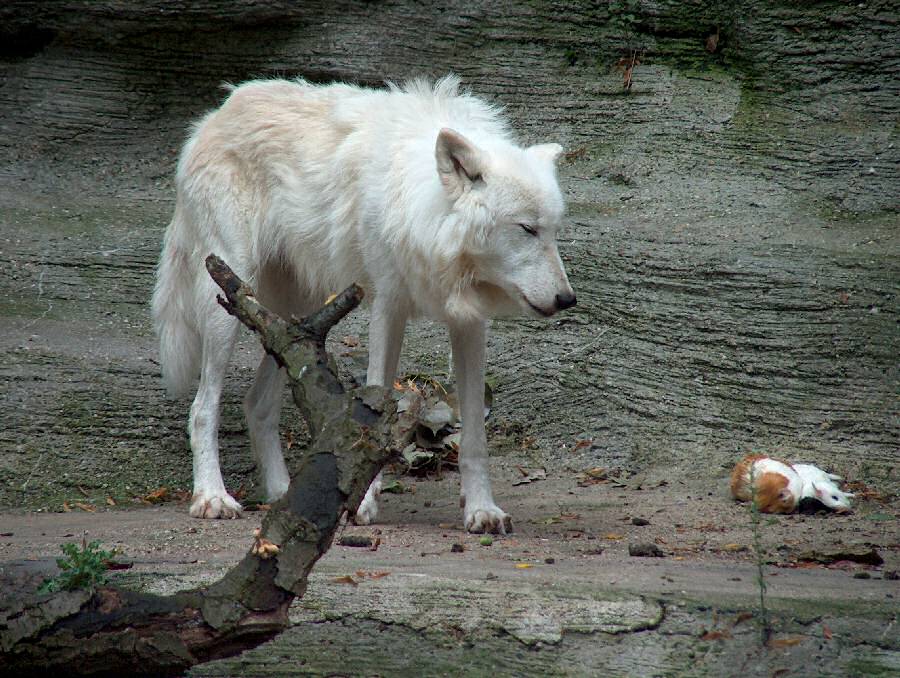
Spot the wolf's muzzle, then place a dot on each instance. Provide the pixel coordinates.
(564, 301)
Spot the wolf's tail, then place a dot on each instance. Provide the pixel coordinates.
(174, 317)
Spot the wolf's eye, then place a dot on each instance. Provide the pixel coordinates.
(530, 230)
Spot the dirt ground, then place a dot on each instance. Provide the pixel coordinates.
(561, 596)
(735, 253)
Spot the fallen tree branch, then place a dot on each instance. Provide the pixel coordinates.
(113, 631)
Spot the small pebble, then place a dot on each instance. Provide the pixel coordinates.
(457, 548)
(640, 522)
(549, 561)
(862, 575)
(647, 550)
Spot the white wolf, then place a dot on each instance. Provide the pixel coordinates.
(418, 193)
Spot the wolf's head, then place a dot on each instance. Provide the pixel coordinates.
(506, 211)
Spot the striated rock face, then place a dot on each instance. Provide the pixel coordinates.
(734, 224)
(809, 90)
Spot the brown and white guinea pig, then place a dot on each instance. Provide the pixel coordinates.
(778, 486)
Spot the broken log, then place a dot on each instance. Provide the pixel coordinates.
(114, 631)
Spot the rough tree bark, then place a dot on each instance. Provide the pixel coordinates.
(113, 631)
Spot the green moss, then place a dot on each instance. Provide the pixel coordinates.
(870, 668)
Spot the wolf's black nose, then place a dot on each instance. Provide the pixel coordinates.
(564, 301)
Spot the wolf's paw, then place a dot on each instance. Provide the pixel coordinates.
(368, 507)
(276, 490)
(214, 505)
(366, 513)
(488, 518)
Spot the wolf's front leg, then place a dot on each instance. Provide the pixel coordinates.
(480, 512)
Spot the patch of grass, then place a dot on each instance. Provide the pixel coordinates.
(80, 568)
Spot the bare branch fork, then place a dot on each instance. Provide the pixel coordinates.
(114, 631)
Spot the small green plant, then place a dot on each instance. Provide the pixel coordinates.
(765, 626)
(80, 568)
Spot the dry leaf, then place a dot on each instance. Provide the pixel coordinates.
(742, 617)
(627, 65)
(613, 536)
(157, 496)
(529, 475)
(786, 642)
(581, 444)
(110, 501)
(66, 507)
(734, 548)
(262, 547)
(592, 476)
(346, 579)
(523, 566)
(715, 635)
(575, 154)
(85, 507)
(826, 632)
(528, 442)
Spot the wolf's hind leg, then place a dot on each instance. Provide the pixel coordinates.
(262, 407)
(211, 499)
(385, 341)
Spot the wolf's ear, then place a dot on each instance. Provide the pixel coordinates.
(459, 162)
(548, 152)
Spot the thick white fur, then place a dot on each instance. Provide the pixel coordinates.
(418, 193)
